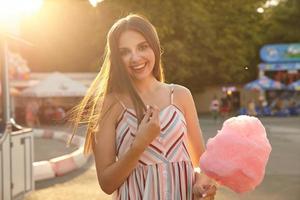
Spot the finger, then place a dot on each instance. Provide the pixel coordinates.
(210, 192)
(197, 191)
(147, 115)
(201, 189)
(207, 198)
(197, 197)
(197, 194)
(155, 113)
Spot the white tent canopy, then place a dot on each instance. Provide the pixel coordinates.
(56, 85)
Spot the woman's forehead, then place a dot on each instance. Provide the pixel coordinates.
(130, 38)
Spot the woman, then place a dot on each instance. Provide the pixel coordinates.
(143, 132)
(214, 108)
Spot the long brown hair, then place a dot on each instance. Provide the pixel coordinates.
(114, 79)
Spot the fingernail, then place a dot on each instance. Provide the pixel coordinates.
(147, 106)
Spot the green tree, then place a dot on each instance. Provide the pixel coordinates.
(204, 42)
(282, 23)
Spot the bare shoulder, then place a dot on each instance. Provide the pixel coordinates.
(182, 97)
(181, 91)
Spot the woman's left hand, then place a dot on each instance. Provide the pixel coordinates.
(204, 187)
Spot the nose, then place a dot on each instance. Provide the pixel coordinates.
(135, 57)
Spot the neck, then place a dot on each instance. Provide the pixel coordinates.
(146, 86)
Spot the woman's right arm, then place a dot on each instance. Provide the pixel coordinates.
(111, 173)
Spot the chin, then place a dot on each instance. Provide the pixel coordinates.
(142, 76)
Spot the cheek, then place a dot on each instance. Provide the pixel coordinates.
(151, 57)
(153, 62)
(125, 60)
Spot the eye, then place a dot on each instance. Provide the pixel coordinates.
(124, 52)
(143, 47)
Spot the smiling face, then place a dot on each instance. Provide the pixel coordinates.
(136, 54)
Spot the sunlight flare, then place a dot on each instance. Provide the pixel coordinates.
(95, 2)
(11, 12)
(9, 8)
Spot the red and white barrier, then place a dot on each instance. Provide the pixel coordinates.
(43, 170)
(63, 164)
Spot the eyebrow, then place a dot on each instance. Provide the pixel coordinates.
(144, 42)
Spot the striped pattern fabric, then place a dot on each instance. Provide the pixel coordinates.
(165, 170)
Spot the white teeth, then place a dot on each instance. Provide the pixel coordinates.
(139, 66)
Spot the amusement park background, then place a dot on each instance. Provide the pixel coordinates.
(236, 58)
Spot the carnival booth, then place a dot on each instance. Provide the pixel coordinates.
(265, 83)
(282, 63)
(49, 99)
(295, 86)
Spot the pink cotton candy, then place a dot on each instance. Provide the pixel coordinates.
(237, 156)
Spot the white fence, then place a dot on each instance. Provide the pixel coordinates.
(16, 158)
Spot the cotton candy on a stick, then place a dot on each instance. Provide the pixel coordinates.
(237, 156)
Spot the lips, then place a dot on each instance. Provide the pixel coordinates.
(139, 67)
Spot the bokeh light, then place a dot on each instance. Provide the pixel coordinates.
(95, 2)
(260, 10)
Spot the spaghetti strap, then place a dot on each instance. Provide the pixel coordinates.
(123, 105)
(172, 93)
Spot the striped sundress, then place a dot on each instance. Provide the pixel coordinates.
(165, 170)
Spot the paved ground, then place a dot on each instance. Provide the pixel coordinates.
(282, 180)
